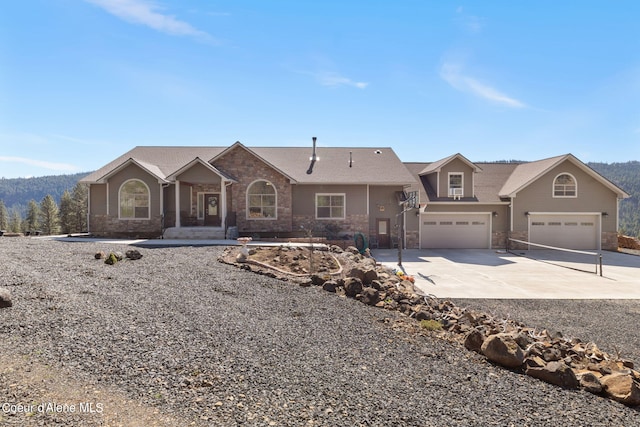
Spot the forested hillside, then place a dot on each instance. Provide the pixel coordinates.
(626, 176)
(17, 192)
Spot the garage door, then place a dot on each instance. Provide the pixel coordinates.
(575, 231)
(455, 231)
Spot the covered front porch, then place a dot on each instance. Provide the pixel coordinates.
(196, 204)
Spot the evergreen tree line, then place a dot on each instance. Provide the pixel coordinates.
(627, 176)
(47, 217)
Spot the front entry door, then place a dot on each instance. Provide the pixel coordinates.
(382, 231)
(212, 210)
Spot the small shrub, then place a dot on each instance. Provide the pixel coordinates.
(431, 325)
(111, 259)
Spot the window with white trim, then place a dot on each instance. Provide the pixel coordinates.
(330, 206)
(261, 200)
(134, 200)
(565, 185)
(456, 180)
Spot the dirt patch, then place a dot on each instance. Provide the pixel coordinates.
(295, 260)
(37, 394)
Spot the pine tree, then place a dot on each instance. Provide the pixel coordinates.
(80, 199)
(49, 215)
(4, 216)
(67, 215)
(33, 214)
(15, 223)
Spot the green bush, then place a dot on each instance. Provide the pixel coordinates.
(431, 325)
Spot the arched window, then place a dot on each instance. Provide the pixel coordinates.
(565, 185)
(134, 200)
(261, 200)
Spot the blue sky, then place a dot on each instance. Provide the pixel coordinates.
(83, 81)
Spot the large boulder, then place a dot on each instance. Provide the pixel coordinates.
(474, 340)
(503, 350)
(622, 387)
(557, 373)
(369, 296)
(352, 286)
(590, 382)
(5, 298)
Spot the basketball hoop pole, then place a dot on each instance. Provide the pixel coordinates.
(400, 224)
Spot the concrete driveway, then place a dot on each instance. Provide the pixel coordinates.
(485, 273)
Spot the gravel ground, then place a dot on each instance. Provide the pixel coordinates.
(177, 339)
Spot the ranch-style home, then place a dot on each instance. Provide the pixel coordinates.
(206, 192)
(218, 192)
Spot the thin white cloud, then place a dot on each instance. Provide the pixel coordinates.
(146, 13)
(334, 79)
(66, 167)
(452, 74)
(472, 24)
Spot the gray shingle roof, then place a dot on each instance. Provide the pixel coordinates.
(369, 165)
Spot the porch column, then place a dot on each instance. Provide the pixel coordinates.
(223, 202)
(177, 203)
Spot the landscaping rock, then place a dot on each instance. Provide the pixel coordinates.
(474, 340)
(352, 286)
(622, 387)
(590, 382)
(503, 350)
(133, 254)
(317, 280)
(5, 298)
(557, 373)
(330, 285)
(100, 255)
(369, 296)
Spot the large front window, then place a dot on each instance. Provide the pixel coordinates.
(134, 200)
(261, 200)
(565, 186)
(330, 206)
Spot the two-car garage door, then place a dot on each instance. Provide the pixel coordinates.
(573, 231)
(453, 230)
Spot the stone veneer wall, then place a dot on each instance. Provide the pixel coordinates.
(413, 239)
(499, 239)
(108, 226)
(518, 235)
(246, 168)
(609, 241)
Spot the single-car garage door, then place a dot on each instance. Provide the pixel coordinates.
(573, 231)
(471, 231)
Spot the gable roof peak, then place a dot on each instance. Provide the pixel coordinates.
(436, 166)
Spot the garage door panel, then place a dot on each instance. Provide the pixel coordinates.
(455, 231)
(567, 231)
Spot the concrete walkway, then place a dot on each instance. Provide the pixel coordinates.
(484, 273)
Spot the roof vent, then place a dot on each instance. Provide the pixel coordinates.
(313, 158)
(378, 152)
